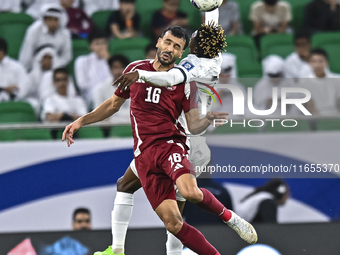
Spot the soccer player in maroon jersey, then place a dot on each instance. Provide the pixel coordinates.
(160, 143)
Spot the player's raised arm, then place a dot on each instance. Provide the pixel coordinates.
(212, 16)
(102, 112)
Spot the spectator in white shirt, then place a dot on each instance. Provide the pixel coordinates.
(105, 90)
(323, 86)
(50, 29)
(298, 60)
(91, 6)
(43, 62)
(60, 106)
(10, 5)
(92, 69)
(13, 77)
(273, 77)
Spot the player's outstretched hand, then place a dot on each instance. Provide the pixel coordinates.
(70, 130)
(219, 117)
(126, 80)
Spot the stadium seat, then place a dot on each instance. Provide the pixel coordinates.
(333, 124)
(330, 43)
(244, 6)
(13, 27)
(85, 133)
(121, 131)
(278, 44)
(132, 48)
(298, 10)
(16, 112)
(302, 125)
(90, 132)
(7, 135)
(145, 10)
(250, 70)
(33, 134)
(243, 47)
(100, 19)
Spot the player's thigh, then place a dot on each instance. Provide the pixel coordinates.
(129, 182)
(169, 213)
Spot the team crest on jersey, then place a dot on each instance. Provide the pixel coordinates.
(188, 66)
(172, 88)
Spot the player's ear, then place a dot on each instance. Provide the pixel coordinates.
(159, 41)
(195, 50)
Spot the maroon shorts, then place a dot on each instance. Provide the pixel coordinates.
(158, 168)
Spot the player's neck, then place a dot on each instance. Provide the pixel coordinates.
(159, 67)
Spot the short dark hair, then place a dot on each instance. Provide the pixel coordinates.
(80, 210)
(178, 32)
(319, 51)
(302, 35)
(3, 45)
(96, 34)
(128, 1)
(60, 70)
(121, 58)
(270, 2)
(151, 46)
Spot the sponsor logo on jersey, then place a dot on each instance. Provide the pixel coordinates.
(188, 66)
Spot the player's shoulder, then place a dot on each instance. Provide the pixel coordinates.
(140, 64)
(190, 62)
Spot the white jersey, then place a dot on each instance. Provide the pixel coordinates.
(205, 71)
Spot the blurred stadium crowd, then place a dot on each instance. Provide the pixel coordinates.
(58, 58)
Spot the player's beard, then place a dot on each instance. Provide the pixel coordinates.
(169, 62)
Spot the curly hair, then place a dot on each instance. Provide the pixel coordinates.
(210, 40)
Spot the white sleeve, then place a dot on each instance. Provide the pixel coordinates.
(26, 51)
(48, 107)
(172, 77)
(211, 16)
(81, 73)
(66, 55)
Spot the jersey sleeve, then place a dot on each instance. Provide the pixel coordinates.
(172, 77)
(212, 16)
(191, 67)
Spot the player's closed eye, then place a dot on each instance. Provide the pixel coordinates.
(85, 221)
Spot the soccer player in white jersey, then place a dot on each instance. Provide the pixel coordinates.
(203, 65)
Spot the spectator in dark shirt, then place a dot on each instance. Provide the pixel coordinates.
(168, 16)
(194, 216)
(78, 22)
(150, 51)
(261, 205)
(124, 23)
(322, 15)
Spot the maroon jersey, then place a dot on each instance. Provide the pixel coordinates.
(154, 111)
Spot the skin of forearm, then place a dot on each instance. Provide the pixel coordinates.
(102, 112)
(195, 124)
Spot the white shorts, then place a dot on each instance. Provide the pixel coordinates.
(199, 156)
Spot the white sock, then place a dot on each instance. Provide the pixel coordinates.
(121, 216)
(173, 245)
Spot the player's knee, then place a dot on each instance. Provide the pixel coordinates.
(193, 195)
(124, 186)
(172, 224)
